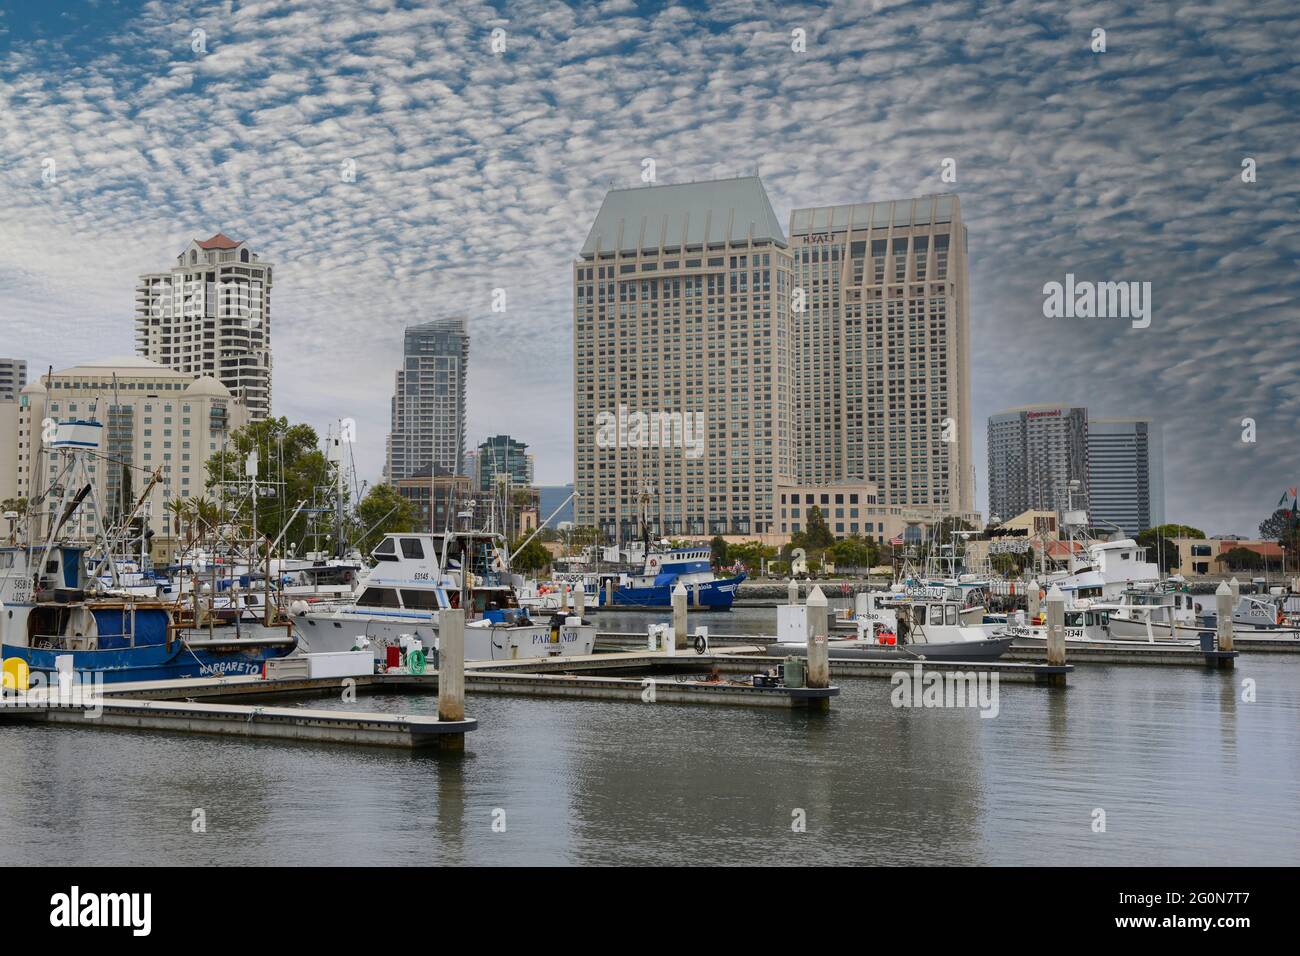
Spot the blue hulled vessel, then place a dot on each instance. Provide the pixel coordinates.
(49, 609)
(662, 572)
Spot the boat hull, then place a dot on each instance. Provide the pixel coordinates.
(340, 631)
(974, 652)
(153, 662)
(716, 595)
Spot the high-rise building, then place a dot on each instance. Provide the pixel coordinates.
(682, 360)
(428, 406)
(154, 418)
(881, 370)
(1126, 484)
(210, 315)
(1035, 451)
(8, 449)
(502, 455)
(13, 376)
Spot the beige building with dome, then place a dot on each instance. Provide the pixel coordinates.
(154, 418)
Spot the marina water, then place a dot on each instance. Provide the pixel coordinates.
(1184, 769)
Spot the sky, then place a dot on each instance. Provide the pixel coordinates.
(478, 170)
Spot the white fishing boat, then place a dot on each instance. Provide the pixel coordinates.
(1179, 616)
(1109, 569)
(416, 576)
(928, 629)
(1089, 625)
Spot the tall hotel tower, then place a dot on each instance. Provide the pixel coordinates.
(882, 351)
(211, 315)
(428, 407)
(1035, 451)
(682, 351)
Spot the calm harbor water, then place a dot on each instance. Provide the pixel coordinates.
(1186, 772)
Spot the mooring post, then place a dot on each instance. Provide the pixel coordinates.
(609, 593)
(1223, 605)
(819, 664)
(451, 672)
(1032, 605)
(1235, 587)
(792, 592)
(1055, 626)
(679, 615)
(579, 599)
(564, 596)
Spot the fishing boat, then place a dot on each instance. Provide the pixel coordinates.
(50, 608)
(1163, 615)
(417, 575)
(665, 569)
(918, 629)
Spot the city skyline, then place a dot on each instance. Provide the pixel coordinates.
(454, 182)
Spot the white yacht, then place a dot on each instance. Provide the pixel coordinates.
(416, 576)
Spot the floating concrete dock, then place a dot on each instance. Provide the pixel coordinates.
(560, 677)
(649, 689)
(1153, 654)
(236, 720)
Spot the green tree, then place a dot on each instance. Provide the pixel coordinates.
(1281, 526)
(383, 511)
(719, 548)
(1176, 531)
(817, 536)
(285, 452)
(853, 552)
(14, 504)
(1160, 547)
(1242, 559)
(534, 557)
(751, 554)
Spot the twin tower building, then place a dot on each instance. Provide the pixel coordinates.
(737, 373)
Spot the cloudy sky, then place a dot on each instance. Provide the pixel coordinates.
(477, 170)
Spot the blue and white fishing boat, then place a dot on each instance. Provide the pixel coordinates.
(53, 605)
(49, 610)
(690, 567)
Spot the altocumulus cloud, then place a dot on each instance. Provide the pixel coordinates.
(477, 171)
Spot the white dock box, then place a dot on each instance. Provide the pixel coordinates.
(341, 664)
(791, 624)
(287, 668)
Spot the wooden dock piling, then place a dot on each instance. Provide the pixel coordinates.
(1224, 603)
(819, 662)
(1055, 627)
(451, 670)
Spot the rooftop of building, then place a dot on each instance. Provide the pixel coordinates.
(926, 210)
(684, 214)
(1041, 407)
(219, 241)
